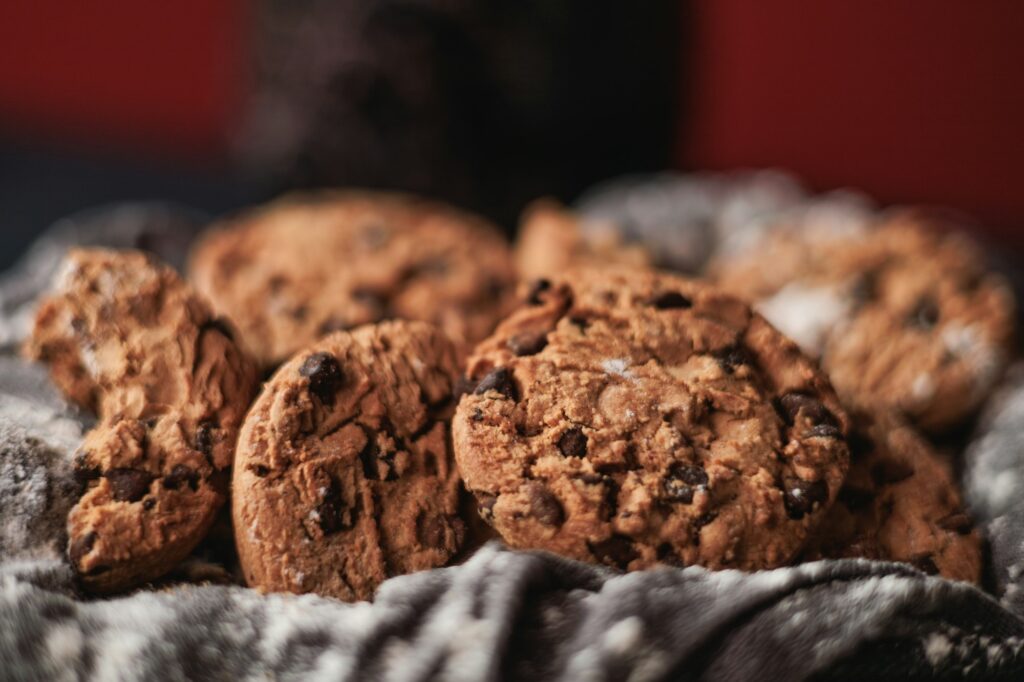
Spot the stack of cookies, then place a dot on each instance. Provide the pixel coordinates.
(426, 386)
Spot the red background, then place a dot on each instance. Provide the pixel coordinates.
(164, 77)
(911, 100)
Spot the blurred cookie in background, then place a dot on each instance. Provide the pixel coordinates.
(553, 238)
(900, 502)
(306, 265)
(682, 219)
(904, 313)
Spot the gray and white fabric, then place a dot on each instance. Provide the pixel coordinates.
(504, 614)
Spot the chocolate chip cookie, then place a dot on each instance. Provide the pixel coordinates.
(904, 316)
(344, 475)
(126, 338)
(308, 265)
(552, 239)
(628, 417)
(899, 503)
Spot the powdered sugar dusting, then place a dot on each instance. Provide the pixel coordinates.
(967, 344)
(923, 387)
(617, 367)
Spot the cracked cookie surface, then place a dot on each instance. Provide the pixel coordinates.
(124, 337)
(307, 265)
(629, 417)
(344, 475)
(903, 316)
(900, 502)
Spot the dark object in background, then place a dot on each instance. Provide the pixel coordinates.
(485, 104)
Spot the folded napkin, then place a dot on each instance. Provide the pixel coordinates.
(523, 615)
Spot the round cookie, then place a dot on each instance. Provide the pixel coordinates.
(899, 503)
(552, 239)
(904, 316)
(629, 417)
(344, 476)
(307, 265)
(127, 339)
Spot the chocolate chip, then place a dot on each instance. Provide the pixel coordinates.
(204, 438)
(477, 416)
(370, 299)
(617, 551)
(732, 358)
(128, 485)
(333, 324)
(259, 470)
(536, 289)
(324, 374)
(181, 474)
(671, 300)
(855, 499)
(334, 514)
(499, 380)
(801, 497)
(81, 546)
(149, 503)
(580, 321)
(667, 555)
(276, 283)
(544, 506)
(926, 563)
(704, 519)
(527, 343)
(84, 473)
(824, 431)
(865, 288)
(573, 443)
(957, 522)
(431, 267)
(861, 444)
(890, 471)
(792, 405)
(925, 314)
(494, 289)
(221, 325)
(682, 481)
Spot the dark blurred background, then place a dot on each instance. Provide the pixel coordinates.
(491, 104)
